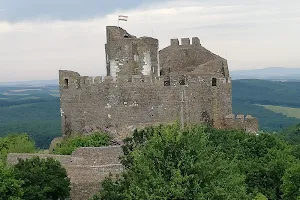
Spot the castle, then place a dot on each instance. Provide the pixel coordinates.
(182, 82)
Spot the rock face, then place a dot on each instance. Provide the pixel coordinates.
(144, 86)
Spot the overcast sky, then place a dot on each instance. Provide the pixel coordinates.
(39, 37)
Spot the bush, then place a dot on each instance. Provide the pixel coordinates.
(175, 164)
(15, 144)
(43, 179)
(166, 162)
(10, 187)
(67, 146)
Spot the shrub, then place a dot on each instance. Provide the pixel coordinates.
(67, 146)
(43, 179)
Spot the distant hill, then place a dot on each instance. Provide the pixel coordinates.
(271, 73)
(248, 96)
(30, 83)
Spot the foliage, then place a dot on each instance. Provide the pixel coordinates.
(69, 145)
(291, 183)
(247, 93)
(268, 121)
(291, 135)
(263, 159)
(33, 111)
(43, 179)
(203, 163)
(260, 196)
(267, 92)
(15, 144)
(10, 187)
(175, 164)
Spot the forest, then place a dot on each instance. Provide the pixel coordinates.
(168, 162)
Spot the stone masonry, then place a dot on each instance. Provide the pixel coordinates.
(183, 82)
(86, 167)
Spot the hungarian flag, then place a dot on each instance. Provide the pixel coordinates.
(123, 18)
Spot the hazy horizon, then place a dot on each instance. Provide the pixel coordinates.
(37, 39)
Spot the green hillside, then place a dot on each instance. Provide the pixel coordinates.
(246, 94)
(31, 110)
(287, 111)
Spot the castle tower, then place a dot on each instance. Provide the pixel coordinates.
(188, 61)
(127, 55)
(193, 86)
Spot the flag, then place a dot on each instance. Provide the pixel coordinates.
(123, 18)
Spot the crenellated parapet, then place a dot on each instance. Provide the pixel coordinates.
(241, 122)
(185, 42)
(69, 80)
(191, 58)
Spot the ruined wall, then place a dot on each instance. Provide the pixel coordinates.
(86, 167)
(193, 86)
(127, 55)
(191, 59)
(240, 122)
(122, 106)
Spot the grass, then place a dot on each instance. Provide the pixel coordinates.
(287, 111)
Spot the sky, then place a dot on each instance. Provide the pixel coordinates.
(39, 37)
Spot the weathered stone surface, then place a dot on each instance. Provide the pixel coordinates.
(86, 167)
(191, 85)
(143, 87)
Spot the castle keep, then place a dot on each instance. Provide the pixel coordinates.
(182, 82)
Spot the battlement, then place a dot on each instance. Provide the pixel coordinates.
(241, 122)
(185, 41)
(74, 81)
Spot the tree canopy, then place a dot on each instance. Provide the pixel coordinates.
(67, 146)
(166, 162)
(15, 144)
(43, 179)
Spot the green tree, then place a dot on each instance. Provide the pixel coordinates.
(168, 163)
(263, 159)
(291, 183)
(15, 144)
(10, 187)
(260, 196)
(69, 145)
(43, 179)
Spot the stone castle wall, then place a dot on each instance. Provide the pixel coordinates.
(86, 167)
(183, 82)
(240, 122)
(121, 107)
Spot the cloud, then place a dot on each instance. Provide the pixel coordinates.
(19, 10)
(251, 35)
